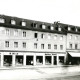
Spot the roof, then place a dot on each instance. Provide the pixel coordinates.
(56, 25)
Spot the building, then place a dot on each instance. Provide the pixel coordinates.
(28, 42)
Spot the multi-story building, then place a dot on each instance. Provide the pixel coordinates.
(27, 42)
(72, 44)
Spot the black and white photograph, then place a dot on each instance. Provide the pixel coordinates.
(39, 39)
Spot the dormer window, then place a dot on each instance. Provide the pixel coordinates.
(35, 25)
(59, 28)
(23, 23)
(2, 20)
(69, 28)
(76, 29)
(43, 26)
(13, 22)
(52, 28)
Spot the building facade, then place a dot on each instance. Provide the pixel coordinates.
(27, 42)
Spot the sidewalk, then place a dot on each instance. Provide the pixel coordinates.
(38, 72)
(37, 66)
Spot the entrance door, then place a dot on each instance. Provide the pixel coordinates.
(55, 60)
(7, 60)
(61, 59)
(29, 60)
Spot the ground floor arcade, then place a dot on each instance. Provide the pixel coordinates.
(24, 59)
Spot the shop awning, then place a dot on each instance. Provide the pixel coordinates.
(74, 54)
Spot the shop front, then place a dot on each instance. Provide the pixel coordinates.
(7, 60)
(73, 58)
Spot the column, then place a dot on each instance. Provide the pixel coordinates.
(24, 60)
(66, 58)
(43, 59)
(2, 60)
(52, 60)
(13, 60)
(57, 60)
(34, 59)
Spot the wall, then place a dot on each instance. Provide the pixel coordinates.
(30, 40)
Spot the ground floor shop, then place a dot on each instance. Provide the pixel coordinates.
(27, 58)
(73, 58)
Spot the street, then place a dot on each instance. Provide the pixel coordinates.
(47, 73)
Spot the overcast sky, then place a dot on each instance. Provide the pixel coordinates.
(65, 11)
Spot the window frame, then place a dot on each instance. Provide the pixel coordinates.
(13, 22)
(61, 37)
(49, 46)
(76, 46)
(42, 46)
(7, 44)
(24, 44)
(55, 47)
(15, 44)
(2, 20)
(7, 32)
(70, 45)
(24, 33)
(16, 32)
(23, 23)
(61, 47)
(35, 35)
(55, 37)
(35, 45)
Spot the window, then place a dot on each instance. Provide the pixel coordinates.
(76, 29)
(55, 46)
(61, 47)
(13, 22)
(76, 46)
(42, 36)
(59, 28)
(2, 20)
(61, 37)
(69, 28)
(70, 36)
(35, 35)
(24, 33)
(76, 37)
(16, 33)
(43, 26)
(24, 44)
(55, 37)
(70, 46)
(7, 32)
(49, 46)
(6, 43)
(23, 23)
(49, 36)
(42, 46)
(35, 45)
(35, 25)
(15, 44)
(52, 28)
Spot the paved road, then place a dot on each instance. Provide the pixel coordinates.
(63, 78)
(59, 73)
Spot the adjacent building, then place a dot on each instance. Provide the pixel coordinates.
(28, 42)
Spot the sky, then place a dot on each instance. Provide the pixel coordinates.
(65, 11)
